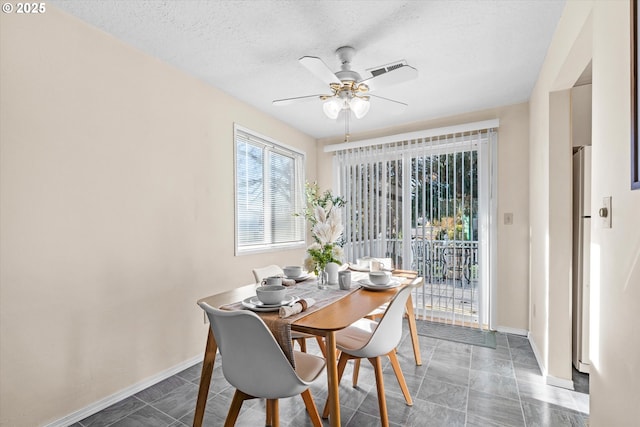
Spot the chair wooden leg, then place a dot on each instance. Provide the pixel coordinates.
(272, 410)
(342, 363)
(234, 409)
(382, 401)
(205, 378)
(411, 317)
(302, 342)
(400, 377)
(312, 409)
(323, 348)
(269, 413)
(356, 372)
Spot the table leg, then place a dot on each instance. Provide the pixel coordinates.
(413, 330)
(205, 378)
(332, 379)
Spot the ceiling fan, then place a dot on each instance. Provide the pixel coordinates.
(349, 91)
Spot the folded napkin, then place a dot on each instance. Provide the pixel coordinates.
(288, 282)
(296, 308)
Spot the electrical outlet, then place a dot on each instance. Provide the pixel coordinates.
(508, 218)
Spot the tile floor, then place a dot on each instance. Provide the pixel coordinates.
(457, 385)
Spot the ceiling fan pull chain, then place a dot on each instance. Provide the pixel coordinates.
(346, 125)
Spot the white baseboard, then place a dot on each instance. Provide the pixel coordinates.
(513, 331)
(101, 404)
(585, 368)
(550, 380)
(559, 382)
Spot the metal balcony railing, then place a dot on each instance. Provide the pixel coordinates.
(439, 260)
(450, 268)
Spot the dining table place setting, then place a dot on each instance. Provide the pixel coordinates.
(279, 305)
(299, 306)
(379, 281)
(282, 299)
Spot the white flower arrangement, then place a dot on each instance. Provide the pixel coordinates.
(323, 212)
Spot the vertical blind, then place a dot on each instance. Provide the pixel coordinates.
(269, 192)
(423, 203)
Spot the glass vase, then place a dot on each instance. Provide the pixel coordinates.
(323, 279)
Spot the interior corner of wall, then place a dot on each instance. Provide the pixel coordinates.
(538, 356)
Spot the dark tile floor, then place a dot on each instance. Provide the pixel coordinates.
(457, 385)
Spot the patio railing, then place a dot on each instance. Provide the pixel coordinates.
(435, 260)
(450, 270)
(445, 259)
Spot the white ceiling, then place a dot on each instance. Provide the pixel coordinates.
(471, 55)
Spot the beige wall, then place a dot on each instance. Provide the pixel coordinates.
(116, 214)
(513, 197)
(598, 30)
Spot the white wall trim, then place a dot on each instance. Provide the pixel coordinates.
(548, 379)
(513, 331)
(427, 133)
(560, 382)
(101, 404)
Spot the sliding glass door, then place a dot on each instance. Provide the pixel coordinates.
(426, 205)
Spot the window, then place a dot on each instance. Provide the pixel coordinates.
(269, 191)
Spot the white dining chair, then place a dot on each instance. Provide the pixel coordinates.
(367, 339)
(386, 263)
(299, 337)
(254, 363)
(267, 271)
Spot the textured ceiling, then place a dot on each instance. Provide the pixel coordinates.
(470, 55)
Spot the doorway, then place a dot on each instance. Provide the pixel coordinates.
(427, 204)
(582, 209)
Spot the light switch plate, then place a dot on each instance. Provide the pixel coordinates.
(605, 212)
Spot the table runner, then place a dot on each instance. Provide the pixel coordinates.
(281, 328)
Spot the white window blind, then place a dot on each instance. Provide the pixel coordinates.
(425, 202)
(269, 191)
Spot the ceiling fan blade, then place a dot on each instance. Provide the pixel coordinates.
(288, 101)
(319, 69)
(398, 75)
(393, 107)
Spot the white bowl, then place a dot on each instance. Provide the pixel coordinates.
(271, 294)
(292, 271)
(379, 277)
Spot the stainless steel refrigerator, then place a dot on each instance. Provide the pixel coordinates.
(581, 256)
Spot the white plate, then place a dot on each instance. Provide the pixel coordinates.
(393, 283)
(302, 278)
(253, 303)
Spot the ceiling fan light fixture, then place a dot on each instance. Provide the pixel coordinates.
(349, 91)
(332, 107)
(359, 106)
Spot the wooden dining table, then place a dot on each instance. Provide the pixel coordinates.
(324, 322)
